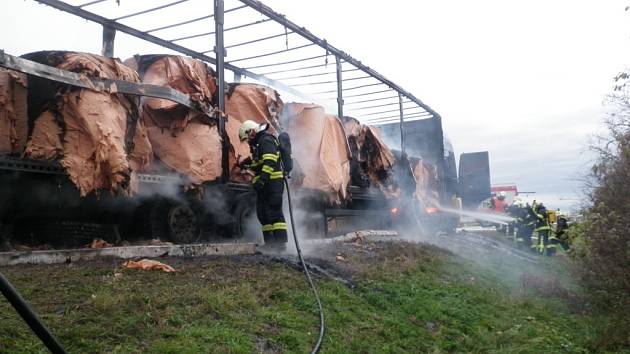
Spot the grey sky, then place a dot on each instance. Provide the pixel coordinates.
(522, 79)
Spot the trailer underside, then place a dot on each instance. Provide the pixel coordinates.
(41, 206)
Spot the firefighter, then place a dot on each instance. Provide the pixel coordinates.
(514, 210)
(532, 218)
(562, 227)
(498, 203)
(267, 182)
(541, 242)
(525, 225)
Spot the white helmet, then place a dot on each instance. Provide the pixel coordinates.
(246, 126)
(502, 194)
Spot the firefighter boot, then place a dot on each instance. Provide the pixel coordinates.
(275, 241)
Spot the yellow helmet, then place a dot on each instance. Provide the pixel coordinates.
(246, 126)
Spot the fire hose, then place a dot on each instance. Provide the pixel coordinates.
(322, 325)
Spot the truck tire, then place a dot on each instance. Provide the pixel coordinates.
(167, 220)
(182, 224)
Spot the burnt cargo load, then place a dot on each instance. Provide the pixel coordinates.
(183, 140)
(372, 160)
(320, 151)
(90, 133)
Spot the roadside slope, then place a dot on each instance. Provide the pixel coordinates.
(406, 298)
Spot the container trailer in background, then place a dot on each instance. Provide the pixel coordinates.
(474, 178)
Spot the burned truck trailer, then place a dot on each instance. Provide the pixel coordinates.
(66, 180)
(167, 206)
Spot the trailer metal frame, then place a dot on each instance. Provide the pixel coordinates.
(251, 65)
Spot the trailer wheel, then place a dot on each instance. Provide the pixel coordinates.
(182, 224)
(167, 219)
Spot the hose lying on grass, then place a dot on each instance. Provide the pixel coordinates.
(322, 325)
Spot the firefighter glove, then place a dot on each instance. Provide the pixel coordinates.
(246, 163)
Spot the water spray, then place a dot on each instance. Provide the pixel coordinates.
(493, 218)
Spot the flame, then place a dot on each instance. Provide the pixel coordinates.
(431, 210)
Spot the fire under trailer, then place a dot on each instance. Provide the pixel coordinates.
(256, 44)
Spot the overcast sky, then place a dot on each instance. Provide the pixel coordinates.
(524, 80)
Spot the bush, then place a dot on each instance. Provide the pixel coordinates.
(602, 242)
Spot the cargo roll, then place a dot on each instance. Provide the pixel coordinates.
(184, 140)
(92, 133)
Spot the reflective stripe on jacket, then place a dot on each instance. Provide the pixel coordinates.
(266, 158)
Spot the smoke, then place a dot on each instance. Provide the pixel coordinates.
(303, 232)
(493, 255)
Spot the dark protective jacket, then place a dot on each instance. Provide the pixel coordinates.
(266, 158)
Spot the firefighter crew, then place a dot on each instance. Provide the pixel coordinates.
(267, 182)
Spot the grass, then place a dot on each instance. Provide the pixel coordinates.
(408, 298)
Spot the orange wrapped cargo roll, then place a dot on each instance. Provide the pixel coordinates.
(90, 126)
(320, 149)
(183, 139)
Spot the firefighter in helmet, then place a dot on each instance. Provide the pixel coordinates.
(498, 203)
(267, 182)
(526, 225)
(515, 210)
(540, 241)
(562, 226)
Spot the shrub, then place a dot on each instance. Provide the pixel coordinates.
(603, 241)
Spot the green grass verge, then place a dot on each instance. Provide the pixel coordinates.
(408, 298)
